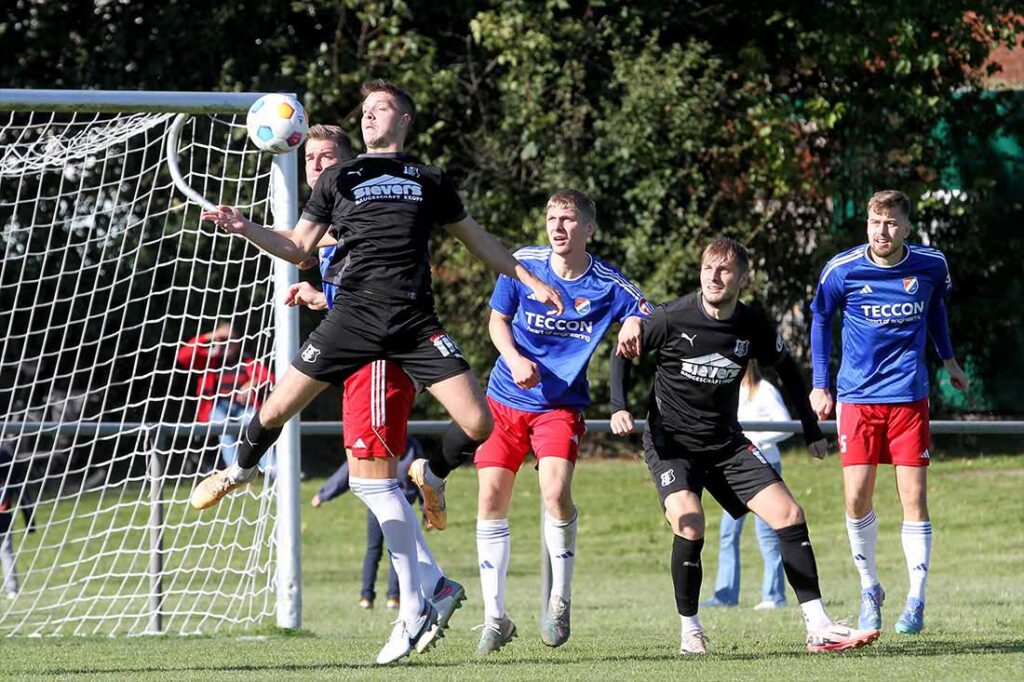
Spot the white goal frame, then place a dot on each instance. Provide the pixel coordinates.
(284, 191)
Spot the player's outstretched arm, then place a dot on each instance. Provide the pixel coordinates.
(487, 248)
(293, 247)
(525, 372)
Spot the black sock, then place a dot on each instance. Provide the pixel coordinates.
(687, 574)
(798, 560)
(456, 449)
(256, 440)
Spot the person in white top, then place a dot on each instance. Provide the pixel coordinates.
(759, 401)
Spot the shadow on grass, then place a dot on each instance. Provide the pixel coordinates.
(918, 647)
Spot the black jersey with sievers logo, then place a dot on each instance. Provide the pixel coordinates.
(382, 209)
(700, 363)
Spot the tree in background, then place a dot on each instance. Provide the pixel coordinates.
(770, 122)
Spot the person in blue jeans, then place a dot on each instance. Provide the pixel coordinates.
(337, 485)
(759, 401)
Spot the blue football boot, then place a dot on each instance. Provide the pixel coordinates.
(911, 620)
(871, 601)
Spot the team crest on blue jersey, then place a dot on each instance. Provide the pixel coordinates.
(741, 348)
(582, 306)
(910, 285)
(645, 306)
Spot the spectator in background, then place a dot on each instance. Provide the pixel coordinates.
(230, 385)
(759, 401)
(337, 485)
(13, 494)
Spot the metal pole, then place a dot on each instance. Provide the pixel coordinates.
(284, 189)
(156, 539)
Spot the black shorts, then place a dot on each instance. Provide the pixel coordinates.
(363, 327)
(732, 474)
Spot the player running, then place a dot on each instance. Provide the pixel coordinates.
(694, 441)
(891, 296)
(537, 393)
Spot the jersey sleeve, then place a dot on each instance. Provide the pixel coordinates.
(769, 348)
(655, 332)
(631, 301)
(505, 297)
(449, 204)
(827, 300)
(937, 322)
(320, 207)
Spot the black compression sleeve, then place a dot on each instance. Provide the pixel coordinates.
(619, 373)
(794, 384)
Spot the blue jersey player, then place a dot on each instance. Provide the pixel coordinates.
(891, 296)
(537, 392)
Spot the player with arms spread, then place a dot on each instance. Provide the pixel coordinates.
(376, 406)
(694, 441)
(381, 208)
(892, 296)
(537, 392)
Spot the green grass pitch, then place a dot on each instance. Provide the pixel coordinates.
(624, 620)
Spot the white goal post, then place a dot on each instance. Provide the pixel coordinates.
(106, 271)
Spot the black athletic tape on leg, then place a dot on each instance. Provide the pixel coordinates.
(687, 573)
(256, 440)
(798, 561)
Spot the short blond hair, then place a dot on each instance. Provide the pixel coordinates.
(337, 135)
(889, 199)
(577, 201)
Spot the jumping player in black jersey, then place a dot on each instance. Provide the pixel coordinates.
(694, 441)
(381, 208)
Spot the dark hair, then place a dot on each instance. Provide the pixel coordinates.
(402, 98)
(725, 248)
(890, 199)
(576, 200)
(323, 131)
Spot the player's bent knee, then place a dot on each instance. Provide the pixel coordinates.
(479, 427)
(794, 515)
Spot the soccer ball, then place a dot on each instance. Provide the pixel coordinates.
(276, 123)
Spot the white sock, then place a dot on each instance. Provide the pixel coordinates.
(560, 537)
(387, 502)
(239, 474)
(917, 548)
(815, 617)
(688, 623)
(863, 538)
(430, 572)
(493, 547)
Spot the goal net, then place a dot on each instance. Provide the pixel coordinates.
(114, 394)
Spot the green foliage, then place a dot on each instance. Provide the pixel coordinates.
(771, 122)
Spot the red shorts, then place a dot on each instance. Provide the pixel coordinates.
(896, 433)
(375, 410)
(554, 433)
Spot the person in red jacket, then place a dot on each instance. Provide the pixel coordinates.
(229, 386)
